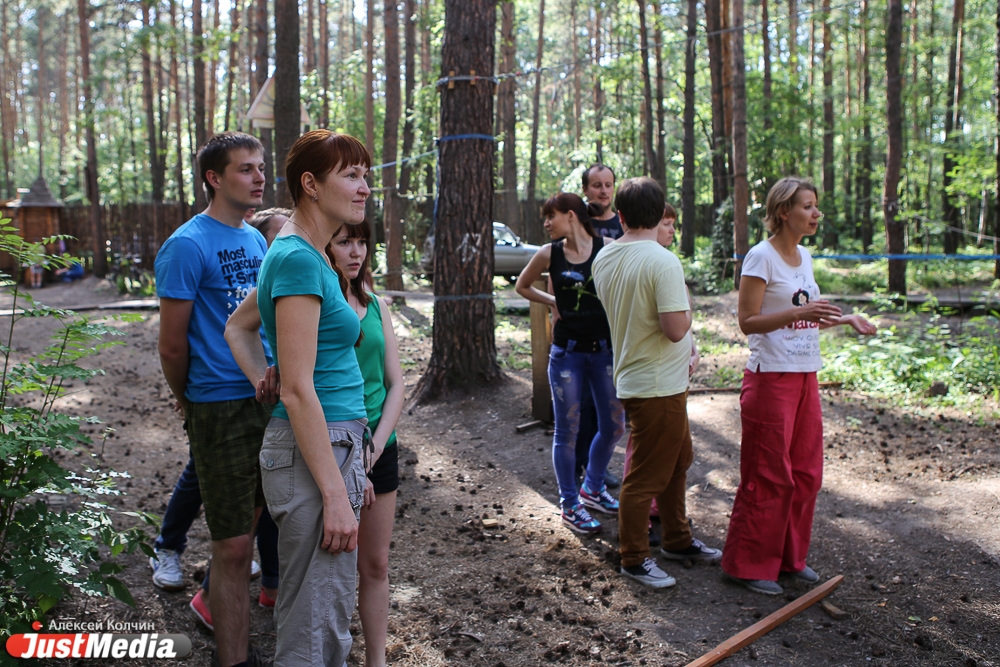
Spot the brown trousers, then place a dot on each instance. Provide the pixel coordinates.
(661, 455)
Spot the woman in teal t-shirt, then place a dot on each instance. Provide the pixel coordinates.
(378, 357)
(311, 460)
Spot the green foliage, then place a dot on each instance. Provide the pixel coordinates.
(704, 273)
(55, 528)
(905, 359)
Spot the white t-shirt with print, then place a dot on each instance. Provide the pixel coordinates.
(794, 348)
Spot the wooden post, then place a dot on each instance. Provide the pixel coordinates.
(541, 339)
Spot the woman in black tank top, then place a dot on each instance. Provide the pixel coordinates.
(580, 355)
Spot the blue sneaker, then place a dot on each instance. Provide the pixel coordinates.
(579, 520)
(601, 501)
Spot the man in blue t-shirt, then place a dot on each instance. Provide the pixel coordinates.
(203, 272)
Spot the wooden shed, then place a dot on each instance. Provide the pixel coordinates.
(36, 215)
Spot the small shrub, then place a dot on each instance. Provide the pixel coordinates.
(48, 545)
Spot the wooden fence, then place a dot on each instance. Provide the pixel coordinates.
(130, 229)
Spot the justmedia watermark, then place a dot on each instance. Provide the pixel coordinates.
(98, 640)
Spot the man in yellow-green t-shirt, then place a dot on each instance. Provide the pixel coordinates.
(641, 285)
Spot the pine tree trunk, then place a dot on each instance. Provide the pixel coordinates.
(661, 132)
(830, 236)
(287, 104)
(63, 104)
(952, 128)
(231, 74)
(534, 232)
(577, 93)
(996, 150)
(7, 121)
(766, 166)
(392, 211)
(324, 63)
(155, 164)
(741, 188)
(690, 168)
(931, 117)
(793, 63)
(464, 349)
(200, 130)
(93, 192)
(647, 97)
(848, 137)
(310, 37)
(894, 227)
(409, 85)
(260, 56)
(370, 101)
(865, 191)
(720, 172)
(212, 89)
(508, 117)
(175, 84)
(41, 93)
(598, 91)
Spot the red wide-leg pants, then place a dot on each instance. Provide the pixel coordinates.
(781, 471)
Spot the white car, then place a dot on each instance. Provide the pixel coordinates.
(510, 254)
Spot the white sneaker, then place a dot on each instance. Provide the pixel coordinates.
(650, 574)
(254, 569)
(167, 573)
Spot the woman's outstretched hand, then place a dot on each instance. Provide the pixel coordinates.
(860, 324)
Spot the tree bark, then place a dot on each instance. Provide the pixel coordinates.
(231, 74)
(391, 213)
(741, 188)
(865, 168)
(260, 78)
(720, 171)
(324, 63)
(7, 119)
(310, 37)
(766, 164)
(508, 117)
(598, 91)
(211, 86)
(64, 131)
(155, 163)
(464, 349)
(93, 191)
(690, 167)
(534, 232)
(287, 98)
(996, 150)
(409, 62)
(200, 131)
(894, 226)
(370, 102)
(661, 132)
(830, 236)
(952, 128)
(41, 93)
(647, 95)
(577, 93)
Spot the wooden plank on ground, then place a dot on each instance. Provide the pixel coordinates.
(765, 625)
(541, 339)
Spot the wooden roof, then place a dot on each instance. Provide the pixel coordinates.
(38, 196)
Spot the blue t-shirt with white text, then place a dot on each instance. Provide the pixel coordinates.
(215, 266)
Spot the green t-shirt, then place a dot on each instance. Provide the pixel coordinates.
(293, 267)
(636, 282)
(371, 360)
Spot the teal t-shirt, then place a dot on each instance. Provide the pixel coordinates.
(293, 267)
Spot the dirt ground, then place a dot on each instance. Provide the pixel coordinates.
(909, 515)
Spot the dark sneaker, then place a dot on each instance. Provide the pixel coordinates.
(167, 573)
(806, 574)
(649, 574)
(579, 520)
(611, 480)
(697, 551)
(601, 501)
(758, 585)
(654, 537)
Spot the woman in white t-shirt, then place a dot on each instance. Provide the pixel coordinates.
(781, 455)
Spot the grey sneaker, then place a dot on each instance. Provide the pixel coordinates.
(167, 573)
(649, 573)
(697, 551)
(758, 585)
(806, 574)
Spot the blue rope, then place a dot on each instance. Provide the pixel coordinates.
(964, 258)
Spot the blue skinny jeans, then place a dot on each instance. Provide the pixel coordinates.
(569, 372)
